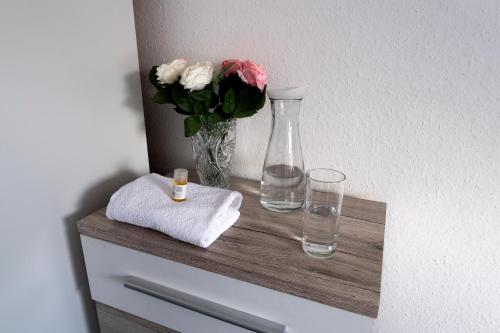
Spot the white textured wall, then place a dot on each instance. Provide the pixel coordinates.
(404, 96)
(71, 131)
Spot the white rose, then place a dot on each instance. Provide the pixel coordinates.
(169, 73)
(197, 76)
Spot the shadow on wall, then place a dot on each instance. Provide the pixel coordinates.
(167, 147)
(133, 101)
(94, 198)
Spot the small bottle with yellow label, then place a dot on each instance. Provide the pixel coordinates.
(179, 185)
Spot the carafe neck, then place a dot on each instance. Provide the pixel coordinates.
(285, 110)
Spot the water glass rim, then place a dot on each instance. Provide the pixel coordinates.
(333, 171)
(285, 99)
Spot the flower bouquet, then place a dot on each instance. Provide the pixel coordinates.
(211, 105)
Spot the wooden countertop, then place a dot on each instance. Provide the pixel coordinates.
(263, 248)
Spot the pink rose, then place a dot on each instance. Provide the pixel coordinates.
(231, 66)
(248, 71)
(253, 74)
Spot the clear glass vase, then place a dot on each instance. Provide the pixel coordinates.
(282, 184)
(213, 148)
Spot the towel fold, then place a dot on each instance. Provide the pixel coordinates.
(200, 220)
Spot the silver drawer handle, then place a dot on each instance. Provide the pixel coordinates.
(206, 307)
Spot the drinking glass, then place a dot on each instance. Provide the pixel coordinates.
(323, 203)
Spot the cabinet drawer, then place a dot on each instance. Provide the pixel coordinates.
(149, 287)
(112, 320)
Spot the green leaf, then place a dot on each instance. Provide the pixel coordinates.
(261, 99)
(221, 114)
(191, 125)
(178, 110)
(162, 96)
(229, 102)
(213, 118)
(232, 81)
(245, 103)
(154, 79)
(199, 108)
(181, 98)
(152, 75)
(244, 114)
(249, 101)
(202, 95)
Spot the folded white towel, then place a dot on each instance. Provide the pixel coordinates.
(200, 220)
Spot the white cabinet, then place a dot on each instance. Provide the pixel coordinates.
(110, 266)
(254, 277)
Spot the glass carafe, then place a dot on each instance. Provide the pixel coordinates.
(283, 181)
